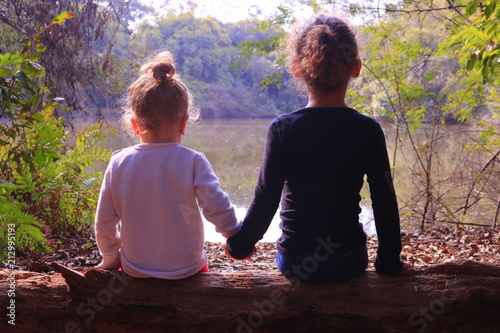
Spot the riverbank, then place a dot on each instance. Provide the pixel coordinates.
(421, 249)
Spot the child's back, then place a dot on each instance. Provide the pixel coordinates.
(155, 189)
(315, 160)
(327, 153)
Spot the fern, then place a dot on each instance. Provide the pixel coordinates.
(48, 181)
(27, 227)
(89, 182)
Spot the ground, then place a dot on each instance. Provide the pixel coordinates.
(421, 249)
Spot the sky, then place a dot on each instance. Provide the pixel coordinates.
(225, 10)
(236, 10)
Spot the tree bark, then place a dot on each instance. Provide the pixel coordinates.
(461, 296)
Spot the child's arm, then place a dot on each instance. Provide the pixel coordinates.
(106, 228)
(385, 208)
(214, 202)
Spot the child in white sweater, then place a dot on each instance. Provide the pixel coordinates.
(155, 189)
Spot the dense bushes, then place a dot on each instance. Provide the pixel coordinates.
(45, 188)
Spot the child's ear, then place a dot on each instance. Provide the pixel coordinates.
(135, 126)
(357, 68)
(295, 70)
(183, 124)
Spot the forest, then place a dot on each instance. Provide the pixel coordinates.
(427, 65)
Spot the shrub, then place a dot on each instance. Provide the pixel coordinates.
(45, 185)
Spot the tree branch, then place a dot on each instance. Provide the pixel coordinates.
(491, 161)
(5, 20)
(418, 10)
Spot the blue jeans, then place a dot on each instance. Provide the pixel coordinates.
(316, 268)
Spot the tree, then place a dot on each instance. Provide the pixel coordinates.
(44, 186)
(430, 80)
(79, 58)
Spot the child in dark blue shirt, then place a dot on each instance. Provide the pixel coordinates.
(314, 162)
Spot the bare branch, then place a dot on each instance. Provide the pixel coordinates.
(425, 10)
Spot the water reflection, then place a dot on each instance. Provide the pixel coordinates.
(274, 232)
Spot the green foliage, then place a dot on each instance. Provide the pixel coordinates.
(44, 186)
(420, 69)
(27, 227)
(480, 39)
(422, 73)
(46, 179)
(403, 64)
(79, 57)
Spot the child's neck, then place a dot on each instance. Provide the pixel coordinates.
(330, 100)
(164, 133)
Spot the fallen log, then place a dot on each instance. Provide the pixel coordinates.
(461, 296)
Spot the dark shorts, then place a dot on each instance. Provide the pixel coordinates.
(336, 266)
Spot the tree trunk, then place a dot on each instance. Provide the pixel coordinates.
(461, 296)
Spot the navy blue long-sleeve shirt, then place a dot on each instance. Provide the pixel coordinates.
(315, 160)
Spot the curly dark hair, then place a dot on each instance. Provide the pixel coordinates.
(324, 50)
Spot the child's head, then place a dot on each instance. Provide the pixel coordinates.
(158, 95)
(322, 52)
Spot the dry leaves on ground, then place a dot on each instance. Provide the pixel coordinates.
(421, 249)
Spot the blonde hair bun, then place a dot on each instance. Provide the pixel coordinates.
(158, 95)
(162, 69)
(164, 72)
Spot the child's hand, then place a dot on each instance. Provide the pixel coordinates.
(247, 258)
(407, 266)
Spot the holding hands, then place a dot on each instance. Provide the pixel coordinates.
(226, 252)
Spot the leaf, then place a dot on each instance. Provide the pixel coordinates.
(5, 72)
(471, 8)
(485, 69)
(39, 157)
(40, 47)
(4, 58)
(11, 59)
(63, 17)
(25, 82)
(489, 10)
(492, 30)
(471, 62)
(33, 69)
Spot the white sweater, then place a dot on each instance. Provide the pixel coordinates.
(156, 192)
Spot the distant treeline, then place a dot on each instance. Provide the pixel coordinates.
(418, 67)
(224, 82)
